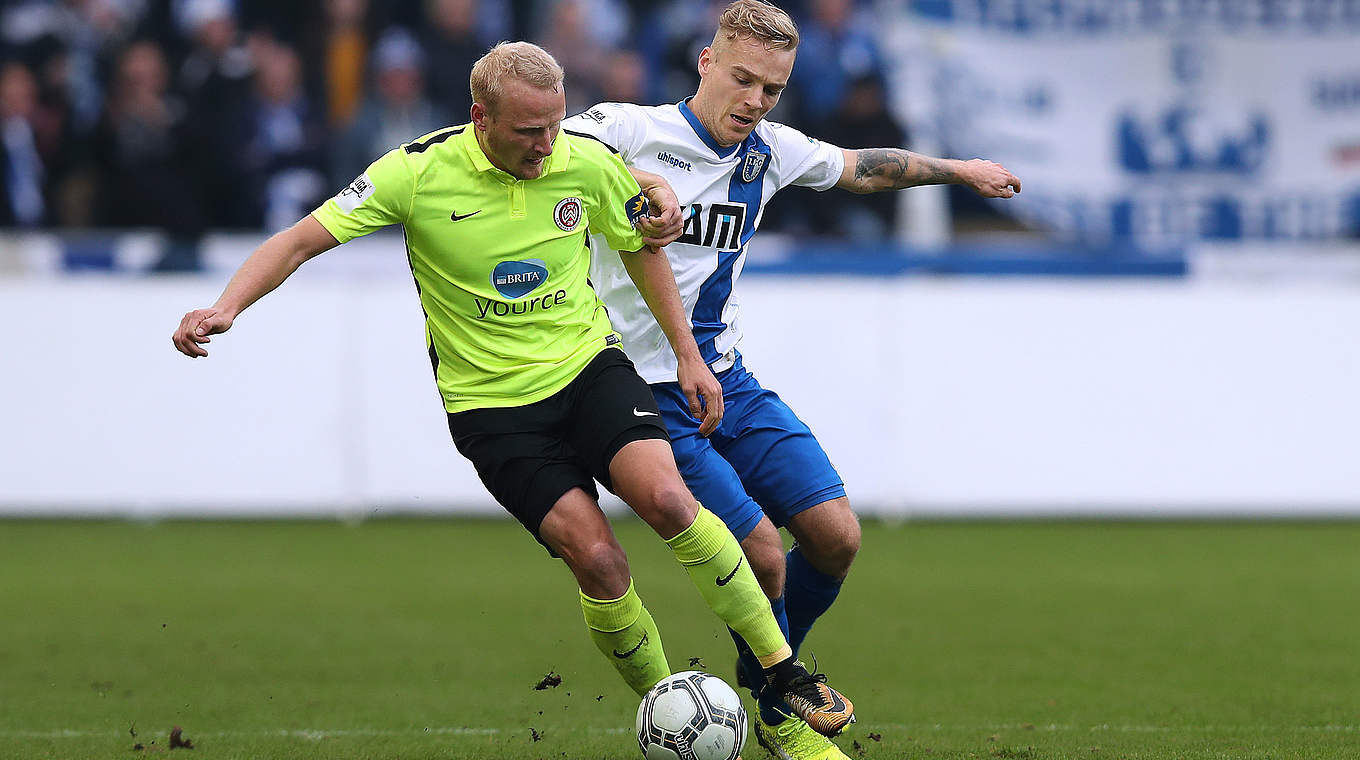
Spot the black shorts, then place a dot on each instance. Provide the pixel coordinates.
(529, 456)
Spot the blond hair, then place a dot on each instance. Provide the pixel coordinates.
(757, 20)
(524, 61)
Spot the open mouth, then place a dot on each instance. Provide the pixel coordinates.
(742, 120)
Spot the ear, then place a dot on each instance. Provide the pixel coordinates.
(705, 61)
(479, 116)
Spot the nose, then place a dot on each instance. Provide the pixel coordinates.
(544, 145)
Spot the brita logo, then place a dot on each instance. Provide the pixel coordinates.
(515, 279)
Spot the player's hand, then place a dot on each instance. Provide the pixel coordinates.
(989, 179)
(195, 328)
(704, 393)
(664, 223)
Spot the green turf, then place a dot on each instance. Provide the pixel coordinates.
(424, 639)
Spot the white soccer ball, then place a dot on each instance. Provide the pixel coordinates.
(691, 716)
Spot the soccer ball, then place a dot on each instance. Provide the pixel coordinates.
(691, 716)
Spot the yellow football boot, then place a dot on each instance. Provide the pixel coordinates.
(794, 739)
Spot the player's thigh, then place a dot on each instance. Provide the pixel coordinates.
(524, 467)
(774, 453)
(643, 474)
(611, 407)
(709, 476)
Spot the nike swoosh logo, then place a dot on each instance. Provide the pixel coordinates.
(639, 413)
(455, 217)
(837, 704)
(631, 652)
(731, 575)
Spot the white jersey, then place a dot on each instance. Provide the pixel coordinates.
(723, 192)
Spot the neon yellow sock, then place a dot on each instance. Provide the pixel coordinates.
(626, 635)
(711, 554)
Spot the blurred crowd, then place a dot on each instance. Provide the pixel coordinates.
(189, 115)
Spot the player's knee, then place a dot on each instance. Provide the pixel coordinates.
(668, 507)
(600, 565)
(834, 551)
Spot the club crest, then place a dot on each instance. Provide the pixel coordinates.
(567, 214)
(752, 164)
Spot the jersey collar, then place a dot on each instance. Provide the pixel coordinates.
(556, 162)
(702, 131)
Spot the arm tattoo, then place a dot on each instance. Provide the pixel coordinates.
(894, 169)
(888, 163)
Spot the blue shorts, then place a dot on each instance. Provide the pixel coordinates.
(761, 459)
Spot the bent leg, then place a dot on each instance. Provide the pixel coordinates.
(622, 629)
(643, 474)
(828, 538)
(764, 548)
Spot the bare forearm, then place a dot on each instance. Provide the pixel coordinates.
(880, 169)
(272, 263)
(874, 170)
(651, 271)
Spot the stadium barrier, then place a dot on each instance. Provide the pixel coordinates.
(934, 396)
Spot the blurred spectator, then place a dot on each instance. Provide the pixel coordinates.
(398, 111)
(21, 184)
(286, 151)
(64, 139)
(217, 64)
(452, 45)
(215, 81)
(837, 47)
(337, 51)
(625, 78)
(691, 28)
(580, 34)
(143, 154)
(81, 32)
(862, 120)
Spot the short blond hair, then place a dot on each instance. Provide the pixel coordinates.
(757, 20)
(524, 61)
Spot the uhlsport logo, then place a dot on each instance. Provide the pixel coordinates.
(516, 279)
(666, 158)
(567, 214)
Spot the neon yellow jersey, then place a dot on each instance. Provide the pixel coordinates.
(500, 263)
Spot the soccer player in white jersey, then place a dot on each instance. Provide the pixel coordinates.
(762, 467)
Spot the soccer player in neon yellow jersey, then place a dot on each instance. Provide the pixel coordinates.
(537, 392)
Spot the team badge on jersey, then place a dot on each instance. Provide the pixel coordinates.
(567, 214)
(355, 193)
(515, 279)
(752, 164)
(636, 208)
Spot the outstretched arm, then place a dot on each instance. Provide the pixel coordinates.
(651, 272)
(873, 170)
(266, 269)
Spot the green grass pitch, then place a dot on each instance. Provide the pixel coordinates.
(425, 638)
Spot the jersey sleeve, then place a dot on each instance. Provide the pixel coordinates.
(379, 197)
(619, 205)
(618, 125)
(805, 161)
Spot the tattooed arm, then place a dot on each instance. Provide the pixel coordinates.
(873, 170)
